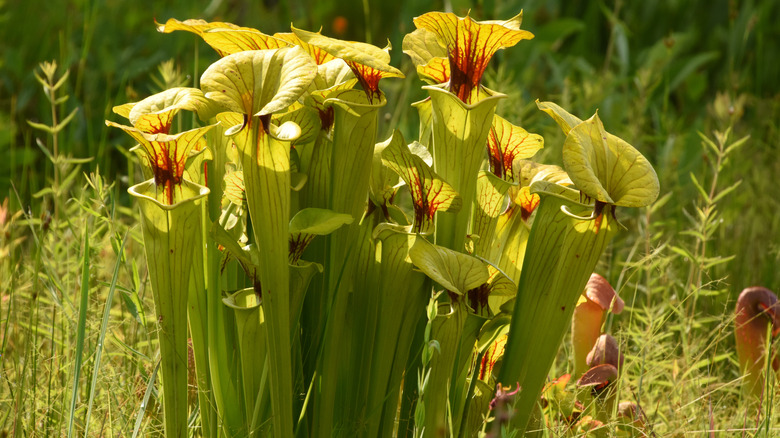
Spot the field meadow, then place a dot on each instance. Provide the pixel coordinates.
(692, 85)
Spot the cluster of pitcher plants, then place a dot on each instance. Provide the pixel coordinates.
(336, 284)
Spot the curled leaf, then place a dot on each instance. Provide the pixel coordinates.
(603, 166)
(598, 377)
(530, 172)
(607, 168)
(198, 27)
(436, 71)
(311, 222)
(422, 46)
(318, 221)
(562, 117)
(259, 82)
(507, 143)
(455, 271)
(429, 192)
(332, 78)
(320, 56)
(166, 154)
(368, 62)
(304, 117)
(155, 113)
(229, 41)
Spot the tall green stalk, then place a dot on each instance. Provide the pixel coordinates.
(459, 136)
(170, 233)
(562, 253)
(354, 134)
(267, 167)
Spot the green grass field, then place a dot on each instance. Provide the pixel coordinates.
(681, 81)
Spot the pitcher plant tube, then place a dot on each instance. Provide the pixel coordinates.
(171, 219)
(566, 242)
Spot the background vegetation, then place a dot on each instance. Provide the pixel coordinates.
(662, 74)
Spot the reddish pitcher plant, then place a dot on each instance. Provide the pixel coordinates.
(757, 323)
(596, 300)
(322, 244)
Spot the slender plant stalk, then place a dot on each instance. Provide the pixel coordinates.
(81, 330)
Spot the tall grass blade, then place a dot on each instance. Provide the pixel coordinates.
(81, 329)
(144, 404)
(102, 336)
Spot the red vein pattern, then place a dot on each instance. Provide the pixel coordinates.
(507, 143)
(471, 45)
(429, 192)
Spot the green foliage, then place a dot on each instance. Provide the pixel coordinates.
(656, 73)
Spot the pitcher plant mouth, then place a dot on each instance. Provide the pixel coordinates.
(185, 191)
(481, 95)
(470, 45)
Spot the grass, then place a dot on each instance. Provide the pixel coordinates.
(667, 76)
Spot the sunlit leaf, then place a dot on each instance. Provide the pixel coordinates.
(195, 26)
(422, 45)
(124, 109)
(305, 117)
(506, 143)
(490, 202)
(382, 181)
(198, 27)
(459, 135)
(259, 82)
(320, 56)
(421, 151)
(436, 71)
(229, 41)
(607, 168)
(455, 271)
(527, 201)
(311, 222)
(318, 221)
(332, 74)
(368, 62)
(429, 192)
(155, 113)
(194, 166)
(332, 77)
(470, 45)
(562, 117)
(234, 187)
(428, 55)
(166, 154)
(529, 172)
